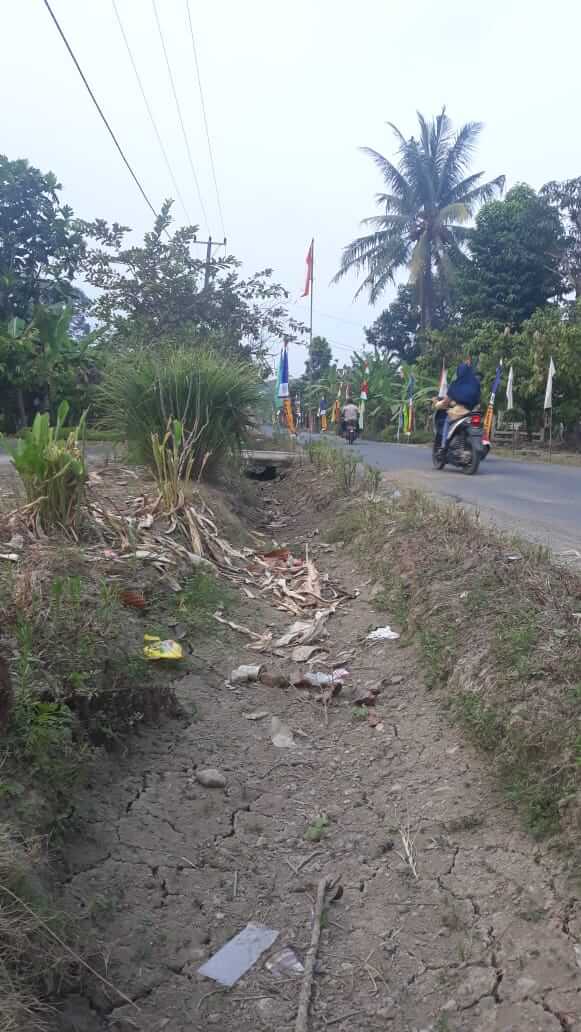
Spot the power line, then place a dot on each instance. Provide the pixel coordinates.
(179, 111)
(203, 103)
(150, 112)
(99, 108)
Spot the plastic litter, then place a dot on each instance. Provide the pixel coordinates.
(316, 680)
(238, 955)
(383, 634)
(285, 962)
(245, 674)
(281, 735)
(256, 715)
(340, 675)
(155, 648)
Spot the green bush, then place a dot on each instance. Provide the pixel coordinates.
(52, 470)
(213, 398)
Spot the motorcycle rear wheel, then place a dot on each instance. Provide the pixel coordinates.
(438, 461)
(471, 467)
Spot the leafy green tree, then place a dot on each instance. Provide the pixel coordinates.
(41, 364)
(516, 251)
(160, 290)
(41, 243)
(397, 331)
(429, 199)
(320, 359)
(566, 198)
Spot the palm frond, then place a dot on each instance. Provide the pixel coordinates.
(394, 204)
(457, 212)
(483, 193)
(458, 192)
(392, 176)
(460, 154)
(387, 222)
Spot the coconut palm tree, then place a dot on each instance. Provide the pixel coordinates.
(430, 199)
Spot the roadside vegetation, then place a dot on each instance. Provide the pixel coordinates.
(497, 627)
(489, 274)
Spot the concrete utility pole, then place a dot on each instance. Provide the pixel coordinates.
(209, 244)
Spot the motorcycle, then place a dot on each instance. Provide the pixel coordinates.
(350, 432)
(463, 445)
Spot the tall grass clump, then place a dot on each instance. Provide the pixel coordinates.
(52, 469)
(211, 397)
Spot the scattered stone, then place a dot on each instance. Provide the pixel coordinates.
(256, 714)
(281, 735)
(211, 778)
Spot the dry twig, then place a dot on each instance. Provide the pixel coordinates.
(302, 1020)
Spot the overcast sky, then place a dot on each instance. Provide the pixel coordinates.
(292, 90)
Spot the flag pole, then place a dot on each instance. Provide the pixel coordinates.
(312, 289)
(311, 331)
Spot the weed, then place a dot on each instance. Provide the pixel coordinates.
(538, 799)
(322, 455)
(202, 595)
(52, 470)
(514, 641)
(481, 720)
(317, 828)
(347, 527)
(442, 1024)
(359, 712)
(346, 471)
(372, 477)
(173, 460)
(439, 650)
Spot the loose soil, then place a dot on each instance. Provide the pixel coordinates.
(165, 871)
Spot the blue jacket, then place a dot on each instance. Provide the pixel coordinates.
(465, 389)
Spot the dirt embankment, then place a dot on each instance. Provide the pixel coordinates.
(450, 915)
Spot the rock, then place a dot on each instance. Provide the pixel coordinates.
(211, 778)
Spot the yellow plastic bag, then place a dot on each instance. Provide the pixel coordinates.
(155, 648)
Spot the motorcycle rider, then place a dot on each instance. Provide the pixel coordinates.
(462, 396)
(350, 415)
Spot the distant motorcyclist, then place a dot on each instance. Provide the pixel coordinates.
(350, 414)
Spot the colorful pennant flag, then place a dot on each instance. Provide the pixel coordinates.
(510, 390)
(488, 419)
(323, 414)
(283, 390)
(277, 396)
(409, 411)
(549, 388)
(363, 395)
(309, 261)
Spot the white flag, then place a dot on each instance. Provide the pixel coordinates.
(443, 389)
(549, 388)
(509, 390)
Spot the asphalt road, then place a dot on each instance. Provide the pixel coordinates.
(537, 500)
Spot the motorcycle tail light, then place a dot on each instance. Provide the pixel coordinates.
(476, 419)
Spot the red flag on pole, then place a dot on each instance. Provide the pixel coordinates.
(309, 280)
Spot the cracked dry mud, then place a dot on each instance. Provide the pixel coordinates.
(484, 940)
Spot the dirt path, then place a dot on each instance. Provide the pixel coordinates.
(167, 871)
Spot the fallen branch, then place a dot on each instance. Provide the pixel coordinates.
(302, 1022)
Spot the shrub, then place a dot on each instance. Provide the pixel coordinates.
(52, 469)
(211, 396)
